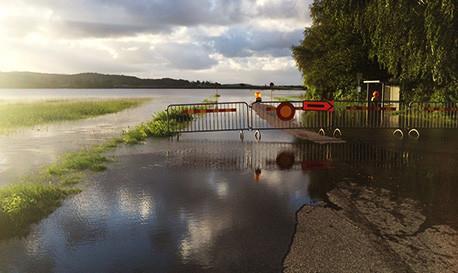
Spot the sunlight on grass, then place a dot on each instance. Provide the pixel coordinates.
(17, 115)
(24, 204)
(159, 126)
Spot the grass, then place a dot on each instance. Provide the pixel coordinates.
(87, 159)
(159, 126)
(24, 204)
(38, 196)
(19, 115)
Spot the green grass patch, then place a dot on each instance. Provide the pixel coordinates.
(88, 159)
(160, 126)
(19, 115)
(24, 204)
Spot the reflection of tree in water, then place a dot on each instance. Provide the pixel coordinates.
(321, 183)
(431, 182)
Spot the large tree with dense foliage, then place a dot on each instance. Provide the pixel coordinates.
(417, 41)
(414, 41)
(332, 54)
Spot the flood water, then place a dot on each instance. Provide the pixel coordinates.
(29, 149)
(210, 203)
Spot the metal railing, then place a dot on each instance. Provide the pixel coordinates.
(395, 115)
(209, 117)
(239, 116)
(430, 115)
(361, 114)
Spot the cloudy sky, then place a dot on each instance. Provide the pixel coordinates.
(216, 40)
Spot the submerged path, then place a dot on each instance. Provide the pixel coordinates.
(271, 118)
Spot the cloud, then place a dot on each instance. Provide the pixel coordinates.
(102, 18)
(242, 42)
(219, 40)
(284, 9)
(78, 29)
(186, 56)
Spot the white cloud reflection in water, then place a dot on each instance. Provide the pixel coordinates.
(200, 236)
(135, 205)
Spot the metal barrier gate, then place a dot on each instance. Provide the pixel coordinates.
(316, 115)
(208, 117)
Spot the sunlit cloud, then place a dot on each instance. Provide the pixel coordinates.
(216, 40)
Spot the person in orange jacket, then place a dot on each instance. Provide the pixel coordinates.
(374, 109)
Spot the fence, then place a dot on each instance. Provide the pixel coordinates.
(209, 117)
(239, 116)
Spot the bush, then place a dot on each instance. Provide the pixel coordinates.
(135, 135)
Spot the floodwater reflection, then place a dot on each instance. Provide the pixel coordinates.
(230, 155)
(195, 206)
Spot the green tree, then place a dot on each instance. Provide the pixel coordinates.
(333, 53)
(415, 41)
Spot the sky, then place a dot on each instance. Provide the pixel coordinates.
(226, 41)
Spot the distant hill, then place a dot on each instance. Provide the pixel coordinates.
(86, 80)
(96, 80)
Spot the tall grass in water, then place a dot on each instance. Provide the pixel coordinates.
(17, 115)
(86, 159)
(24, 204)
(160, 126)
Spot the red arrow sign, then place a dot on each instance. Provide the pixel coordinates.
(327, 106)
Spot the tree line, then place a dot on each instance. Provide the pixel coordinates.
(413, 43)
